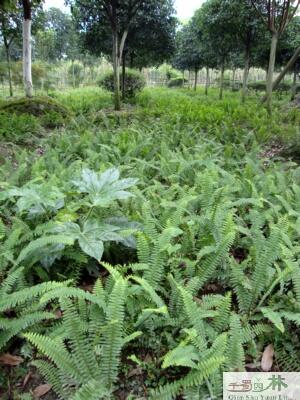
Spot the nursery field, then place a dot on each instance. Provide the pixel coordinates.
(144, 252)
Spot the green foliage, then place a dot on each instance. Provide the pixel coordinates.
(176, 82)
(87, 356)
(21, 302)
(199, 284)
(55, 218)
(75, 74)
(50, 112)
(134, 82)
(84, 101)
(260, 86)
(18, 127)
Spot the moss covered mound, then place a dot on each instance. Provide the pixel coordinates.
(50, 112)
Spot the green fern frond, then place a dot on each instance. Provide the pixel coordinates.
(53, 376)
(150, 291)
(113, 332)
(92, 390)
(235, 352)
(192, 379)
(56, 353)
(62, 291)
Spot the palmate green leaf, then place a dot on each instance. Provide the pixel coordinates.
(91, 246)
(103, 188)
(36, 199)
(274, 317)
(91, 236)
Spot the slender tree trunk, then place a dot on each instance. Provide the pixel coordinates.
(116, 67)
(7, 50)
(294, 87)
(73, 75)
(222, 82)
(207, 82)
(27, 73)
(245, 75)
(287, 68)
(233, 77)
(123, 76)
(196, 79)
(189, 78)
(271, 68)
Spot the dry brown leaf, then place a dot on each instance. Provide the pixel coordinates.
(41, 390)
(10, 359)
(252, 366)
(26, 379)
(58, 313)
(135, 371)
(148, 358)
(267, 358)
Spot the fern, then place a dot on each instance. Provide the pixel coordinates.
(72, 347)
(113, 332)
(25, 304)
(235, 351)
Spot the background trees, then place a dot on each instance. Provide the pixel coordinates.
(140, 30)
(189, 54)
(11, 28)
(276, 15)
(217, 30)
(228, 34)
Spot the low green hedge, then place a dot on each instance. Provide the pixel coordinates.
(134, 82)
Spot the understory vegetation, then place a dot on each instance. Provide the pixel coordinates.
(145, 252)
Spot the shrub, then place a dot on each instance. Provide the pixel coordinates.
(75, 74)
(39, 73)
(172, 74)
(260, 86)
(177, 82)
(38, 107)
(134, 82)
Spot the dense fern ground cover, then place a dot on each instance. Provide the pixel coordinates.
(143, 253)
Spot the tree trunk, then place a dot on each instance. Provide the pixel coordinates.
(123, 76)
(245, 75)
(7, 50)
(189, 78)
(207, 82)
(196, 79)
(73, 75)
(282, 74)
(116, 67)
(294, 87)
(221, 82)
(271, 68)
(27, 74)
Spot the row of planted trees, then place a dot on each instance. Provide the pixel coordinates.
(242, 34)
(134, 33)
(139, 33)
